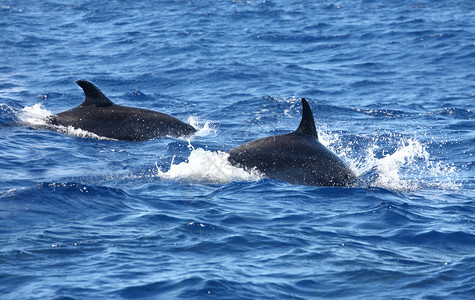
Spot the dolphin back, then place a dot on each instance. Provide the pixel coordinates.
(99, 115)
(297, 157)
(294, 158)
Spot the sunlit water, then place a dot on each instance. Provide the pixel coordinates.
(391, 86)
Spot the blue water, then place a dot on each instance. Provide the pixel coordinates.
(392, 88)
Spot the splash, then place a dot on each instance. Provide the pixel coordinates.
(407, 167)
(208, 166)
(203, 129)
(404, 166)
(70, 130)
(394, 170)
(37, 116)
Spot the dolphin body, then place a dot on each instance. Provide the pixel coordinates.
(99, 115)
(297, 157)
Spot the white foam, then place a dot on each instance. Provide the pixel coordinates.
(391, 168)
(34, 115)
(70, 130)
(408, 167)
(37, 116)
(327, 139)
(208, 166)
(203, 129)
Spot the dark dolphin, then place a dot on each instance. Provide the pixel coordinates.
(297, 157)
(99, 115)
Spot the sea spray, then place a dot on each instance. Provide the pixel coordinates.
(203, 129)
(404, 165)
(397, 163)
(208, 166)
(35, 115)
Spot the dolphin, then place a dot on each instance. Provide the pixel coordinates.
(99, 115)
(297, 157)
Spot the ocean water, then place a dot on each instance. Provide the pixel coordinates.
(392, 88)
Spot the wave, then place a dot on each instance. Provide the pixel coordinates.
(203, 129)
(49, 201)
(405, 168)
(391, 161)
(36, 116)
(207, 166)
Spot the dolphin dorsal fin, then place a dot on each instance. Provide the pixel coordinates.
(307, 125)
(93, 95)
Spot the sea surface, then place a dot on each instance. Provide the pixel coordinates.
(392, 88)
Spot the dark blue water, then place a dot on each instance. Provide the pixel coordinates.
(392, 87)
